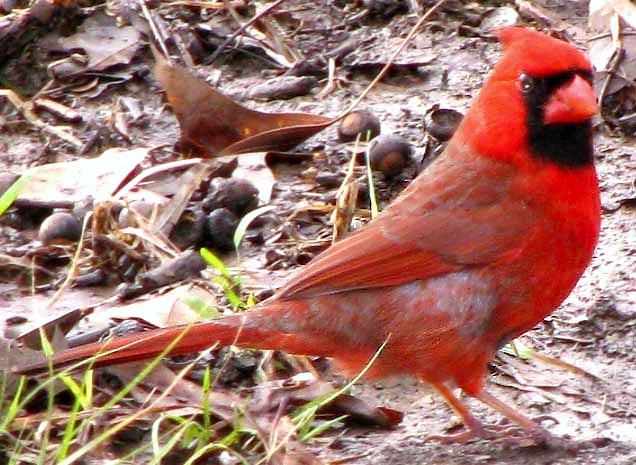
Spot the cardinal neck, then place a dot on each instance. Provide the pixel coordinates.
(567, 145)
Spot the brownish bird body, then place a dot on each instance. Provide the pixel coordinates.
(485, 243)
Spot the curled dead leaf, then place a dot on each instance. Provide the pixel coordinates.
(213, 124)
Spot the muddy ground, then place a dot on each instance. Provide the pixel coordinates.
(593, 330)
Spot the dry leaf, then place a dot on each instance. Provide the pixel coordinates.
(68, 182)
(104, 44)
(160, 311)
(213, 124)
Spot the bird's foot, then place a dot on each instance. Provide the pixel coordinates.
(456, 438)
(517, 431)
(476, 431)
(507, 434)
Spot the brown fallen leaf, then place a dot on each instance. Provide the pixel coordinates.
(159, 311)
(213, 124)
(102, 41)
(302, 389)
(63, 184)
(60, 324)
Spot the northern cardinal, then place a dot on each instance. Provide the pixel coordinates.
(481, 246)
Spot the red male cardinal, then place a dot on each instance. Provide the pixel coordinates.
(484, 244)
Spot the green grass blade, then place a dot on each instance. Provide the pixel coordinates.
(304, 415)
(14, 407)
(239, 233)
(322, 428)
(9, 196)
(200, 306)
(160, 453)
(215, 262)
(372, 197)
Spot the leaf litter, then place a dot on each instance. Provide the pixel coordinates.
(141, 248)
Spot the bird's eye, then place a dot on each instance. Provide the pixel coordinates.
(525, 83)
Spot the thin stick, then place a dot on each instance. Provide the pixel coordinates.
(389, 63)
(256, 17)
(155, 31)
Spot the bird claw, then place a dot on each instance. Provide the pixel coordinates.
(457, 438)
(510, 435)
(479, 432)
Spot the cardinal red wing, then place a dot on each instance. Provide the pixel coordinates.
(456, 216)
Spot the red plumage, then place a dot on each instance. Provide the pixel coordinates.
(484, 244)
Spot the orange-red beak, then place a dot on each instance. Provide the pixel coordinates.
(573, 102)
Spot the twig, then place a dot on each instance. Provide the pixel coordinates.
(391, 60)
(256, 17)
(345, 199)
(615, 60)
(331, 82)
(155, 31)
(26, 108)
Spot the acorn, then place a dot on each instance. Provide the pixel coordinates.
(238, 195)
(443, 122)
(389, 154)
(221, 224)
(361, 122)
(60, 227)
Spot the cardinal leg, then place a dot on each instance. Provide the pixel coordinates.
(498, 432)
(539, 434)
(475, 428)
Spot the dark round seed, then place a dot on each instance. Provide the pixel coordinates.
(443, 123)
(60, 227)
(221, 225)
(238, 195)
(389, 154)
(361, 122)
